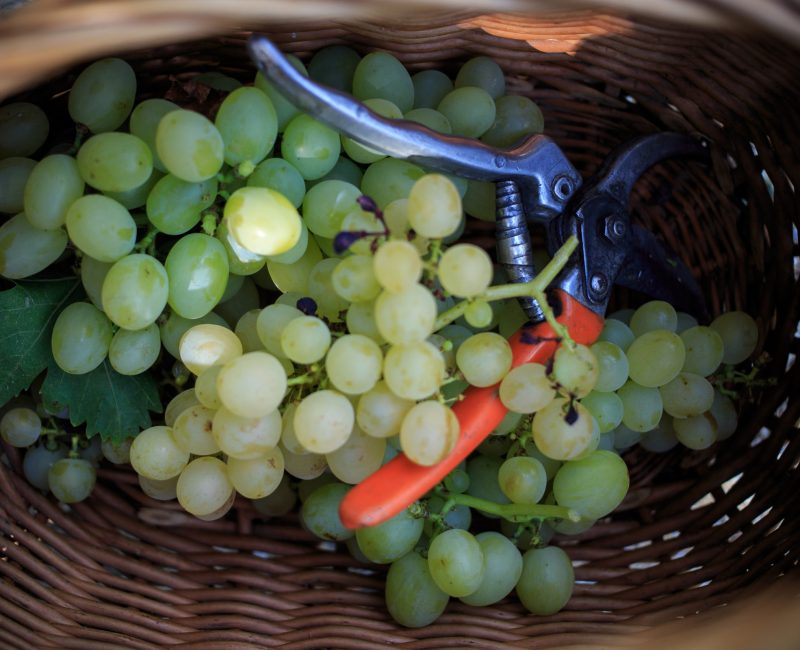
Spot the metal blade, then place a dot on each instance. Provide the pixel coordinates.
(652, 269)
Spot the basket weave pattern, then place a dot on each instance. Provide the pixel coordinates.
(697, 529)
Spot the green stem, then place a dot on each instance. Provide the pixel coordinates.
(208, 223)
(513, 511)
(301, 379)
(147, 244)
(535, 288)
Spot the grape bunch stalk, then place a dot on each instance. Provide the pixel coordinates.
(305, 309)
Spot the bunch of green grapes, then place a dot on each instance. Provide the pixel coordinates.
(311, 300)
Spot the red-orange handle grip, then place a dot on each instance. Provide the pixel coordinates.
(401, 482)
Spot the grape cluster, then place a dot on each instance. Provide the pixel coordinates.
(181, 222)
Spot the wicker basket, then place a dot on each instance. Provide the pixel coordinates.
(697, 531)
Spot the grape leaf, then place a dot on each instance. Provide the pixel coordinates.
(115, 406)
(27, 314)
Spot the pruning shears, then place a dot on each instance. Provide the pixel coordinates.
(535, 183)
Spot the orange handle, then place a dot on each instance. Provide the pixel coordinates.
(401, 482)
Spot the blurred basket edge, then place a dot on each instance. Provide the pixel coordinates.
(63, 587)
(49, 35)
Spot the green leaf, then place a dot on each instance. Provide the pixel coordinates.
(115, 406)
(27, 314)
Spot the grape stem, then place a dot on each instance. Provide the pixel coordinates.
(147, 244)
(517, 512)
(535, 288)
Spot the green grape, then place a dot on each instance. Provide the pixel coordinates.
(389, 179)
(23, 129)
(617, 332)
(246, 330)
(613, 366)
(320, 512)
(550, 465)
(654, 315)
(101, 228)
(380, 412)
(280, 502)
(133, 352)
(456, 562)
(53, 185)
(361, 153)
(344, 170)
(204, 486)
(429, 432)
(135, 291)
(279, 175)
(696, 432)
(431, 118)
(526, 388)
(271, 322)
(327, 204)
(25, 250)
(251, 385)
(320, 289)
(503, 563)
(354, 279)
(564, 430)
(115, 162)
(567, 527)
(624, 438)
(81, 338)
(655, 358)
(323, 421)
(381, 75)
(294, 276)
(175, 206)
(391, 540)
(412, 597)
(284, 110)
(245, 438)
(547, 580)
(483, 482)
(197, 271)
(724, 412)
(310, 146)
(434, 206)
(457, 481)
(304, 466)
(20, 426)
(244, 301)
(480, 200)
(71, 480)
(607, 409)
(430, 87)
(360, 319)
(189, 146)
(484, 359)
(178, 404)
(14, 174)
(354, 363)
(262, 220)
(522, 479)
(405, 317)
(174, 327)
(479, 314)
(483, 72)
(687, 395)
(661, 438)
(159, 490)
(357, 458)
(248, 124)
(576, 371)
(256, 478)
(137, 197)
(413, 371)
(119, 453)
(739, 334)
(642, 406)
(516, 118)
(37, 463)
(594, 485)
(704, 350)
(144, 124)
(465, 270)
(334, 66)
(684, 322)
(103, 94)
(469, 109)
